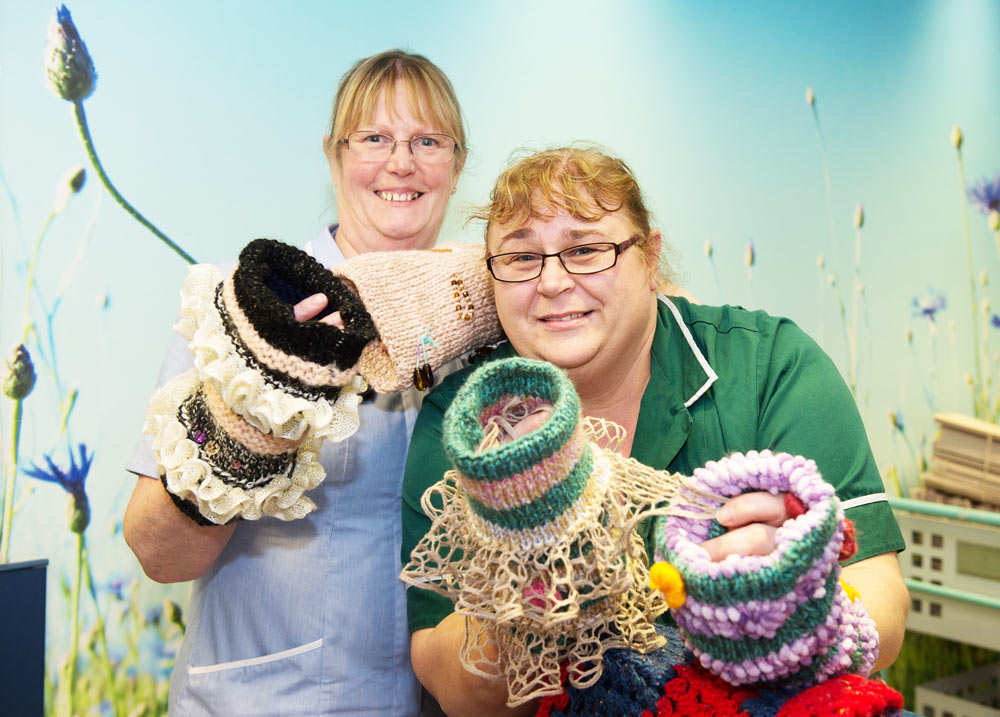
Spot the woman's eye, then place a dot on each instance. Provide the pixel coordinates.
(374, 138)
(579, 252)
(520, 258)
(425, 141)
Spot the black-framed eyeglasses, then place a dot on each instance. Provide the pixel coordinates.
(519, 266)
(368, 146)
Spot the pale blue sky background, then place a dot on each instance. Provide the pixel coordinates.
(209, 115)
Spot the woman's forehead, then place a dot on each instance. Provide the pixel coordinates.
(558, 224)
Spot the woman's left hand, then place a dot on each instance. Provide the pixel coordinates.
(752, 519)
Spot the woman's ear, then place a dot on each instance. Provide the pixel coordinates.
(654, 243)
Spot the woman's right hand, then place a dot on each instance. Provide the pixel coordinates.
(310, 306)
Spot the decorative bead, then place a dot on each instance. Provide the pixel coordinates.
(211, 448)
(423, 377)
(199, 437)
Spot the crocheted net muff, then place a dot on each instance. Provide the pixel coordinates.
(533, 539)
(782, 616)
(428, 305)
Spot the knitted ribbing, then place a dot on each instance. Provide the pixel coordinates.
(271, 277)
(779, 616)
(534, 538)
(443, 295)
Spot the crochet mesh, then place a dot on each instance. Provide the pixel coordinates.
(568, 598)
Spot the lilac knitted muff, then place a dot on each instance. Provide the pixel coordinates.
(782, 616)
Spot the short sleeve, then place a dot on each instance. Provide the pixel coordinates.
(806, 408)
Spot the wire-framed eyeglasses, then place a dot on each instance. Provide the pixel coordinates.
(368, 146)
(519, 266)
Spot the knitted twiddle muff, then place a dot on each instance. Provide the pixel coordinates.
(239, 434)
(429, 307)
(533, 539)
(785, 616)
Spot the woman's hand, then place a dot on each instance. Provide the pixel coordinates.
(312, 305)
(751, 519)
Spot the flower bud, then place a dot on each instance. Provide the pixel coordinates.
(708, 249)
(820, 261)
(994, 220)
(956, 137)
(859, 216)
(19, 374)
(810, 96)
(78, 511)
(984, 278)
(71, 183)
(172, 612)
(68, 66)
(751, 256)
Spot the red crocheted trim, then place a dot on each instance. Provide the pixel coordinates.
(843, 695)
(850, 546)
(555, 702)
(794, 508)
(694, 691)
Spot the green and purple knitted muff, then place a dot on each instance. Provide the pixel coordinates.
(785, 616)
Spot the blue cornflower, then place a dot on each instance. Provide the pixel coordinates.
(995, 321)
(68, 66)
(929, 304)
(986, 195)
(72, 481)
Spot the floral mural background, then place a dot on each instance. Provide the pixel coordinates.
(838, 164)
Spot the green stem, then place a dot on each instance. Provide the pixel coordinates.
(75, 623)
(88, 144)
(103, 639)
(979, 404)
(8, 497)
(31, 275)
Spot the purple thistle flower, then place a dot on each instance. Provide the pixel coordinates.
(986, 195)
(929, 304)
(72, 481)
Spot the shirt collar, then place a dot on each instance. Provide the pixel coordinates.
(324, 248)
(697, 375)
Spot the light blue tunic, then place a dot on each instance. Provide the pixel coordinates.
(307, 617)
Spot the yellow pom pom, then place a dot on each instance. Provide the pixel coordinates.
(849, 591)
(665, 578)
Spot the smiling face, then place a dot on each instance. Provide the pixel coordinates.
(398, 203)
(596, 326)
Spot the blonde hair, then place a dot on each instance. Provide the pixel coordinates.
(428, 92)
(584, 181)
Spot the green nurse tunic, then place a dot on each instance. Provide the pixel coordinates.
(722, 379)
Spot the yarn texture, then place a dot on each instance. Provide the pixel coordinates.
(534, 539)
(428, 306)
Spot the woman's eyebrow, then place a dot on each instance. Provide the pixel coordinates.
(522, 233)
(578, 234)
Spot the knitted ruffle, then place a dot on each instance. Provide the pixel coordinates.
(777, 616)
(285, 408)
(190, 473)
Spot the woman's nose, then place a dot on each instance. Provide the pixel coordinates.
(554, 278)
(401, 158)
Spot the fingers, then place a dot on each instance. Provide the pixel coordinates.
(311, 306)
(757, 507)
(753, 539)
(533, 421)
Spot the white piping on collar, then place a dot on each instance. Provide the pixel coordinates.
(712, 376)
(863, 500)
